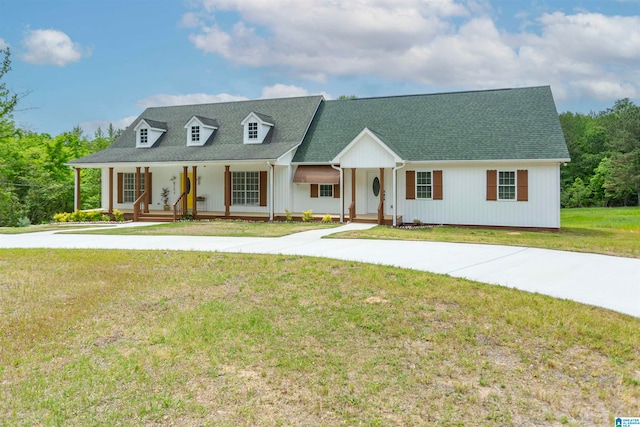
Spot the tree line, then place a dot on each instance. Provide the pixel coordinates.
(36, 183)
(605, 157)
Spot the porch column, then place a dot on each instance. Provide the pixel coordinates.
(227, 190)
(147, 195)
(185, 186)
(110, 190)
(394, 197)
(194, 190)
(352, 207)
(381, 206)
(271, 192)
(138, 185)
(341, 185)
(77, 192)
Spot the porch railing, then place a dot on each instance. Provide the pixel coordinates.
(136, 206)
(178, 207)
(352, 211)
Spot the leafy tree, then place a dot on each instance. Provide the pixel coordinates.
(623, 126)
(8, 100)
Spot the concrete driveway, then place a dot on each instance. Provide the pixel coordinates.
(600, 280)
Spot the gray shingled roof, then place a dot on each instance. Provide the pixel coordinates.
(207, 121)
(481, 125)
(291, 118)
(156, 124)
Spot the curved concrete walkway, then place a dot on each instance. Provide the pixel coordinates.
(600, 280)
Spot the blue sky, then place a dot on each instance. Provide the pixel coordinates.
(92, 62)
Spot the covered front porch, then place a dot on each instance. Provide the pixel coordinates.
(205, 191)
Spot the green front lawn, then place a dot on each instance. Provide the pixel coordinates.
(124, 338)
(229, 228)
(609, 231)
(49, 227)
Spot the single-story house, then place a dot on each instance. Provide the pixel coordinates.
(476, 158)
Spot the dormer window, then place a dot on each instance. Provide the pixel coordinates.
(148, 132)
(253, 130)
(144, 136)
(195, 133)
(256, 128)
(199, 130)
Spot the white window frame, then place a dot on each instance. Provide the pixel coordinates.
(503, 186)
(245, 188)
(195, 133)
(252, 131)
(129, 187)
(143, 136)
(424, 189)
(325, 190)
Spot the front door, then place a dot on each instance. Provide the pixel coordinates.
(373, 192)
(188, 189)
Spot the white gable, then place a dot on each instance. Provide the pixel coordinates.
(367, 150)
(255, 128)
(197, 132)
(148, 134)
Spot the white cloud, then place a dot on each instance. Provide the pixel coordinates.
(446, 43)
(3, 44)
(282, 91)
(162, 100)
(191, 20)
(51, 47)
(92, 126)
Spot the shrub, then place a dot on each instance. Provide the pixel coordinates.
(288, 214)
(307, 215)
(118, 215)
(93, 215)
(62, 217)
(417, 222)
(326, 218)
(24, 222)
(10, 209)
(105, 218)
(79, 216)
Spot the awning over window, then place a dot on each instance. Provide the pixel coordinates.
(316, 174)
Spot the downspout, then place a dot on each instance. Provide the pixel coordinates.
(271, 197)
(394, 221)
(339, 169)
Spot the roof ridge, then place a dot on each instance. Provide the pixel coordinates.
(234, 102)
(442, 93)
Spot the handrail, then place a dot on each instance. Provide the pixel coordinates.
(177, 207)
(136, 206)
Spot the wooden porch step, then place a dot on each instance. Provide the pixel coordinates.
(386, 221)
(155, 218)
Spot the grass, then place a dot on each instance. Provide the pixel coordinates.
(48, 227)
(609, 231)
(227, 228)
(144, 337)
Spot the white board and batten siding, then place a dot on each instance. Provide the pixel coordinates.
(302, 201)
(465, 197)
